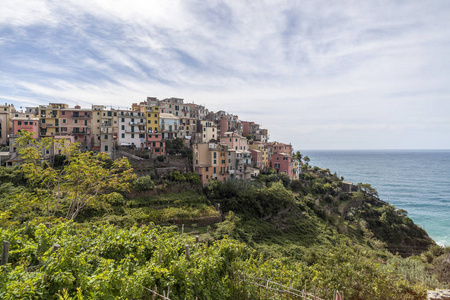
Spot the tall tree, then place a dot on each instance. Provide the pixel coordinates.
(82, 180)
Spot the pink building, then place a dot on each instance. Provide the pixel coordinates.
(234, 141)
(257, 158)
(283, 163)
(29, 124)
(156, 144)
(281, 148)
(77, 122)
(246, 126)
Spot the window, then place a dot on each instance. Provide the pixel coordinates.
(106, 148)
(223, 161)
(123, 135)
(149, 122)
(214, 170)
(123, 120)
(156, 122)
(123, 127)
(76, 121)
(109, 114)
(132, 135)
(26, 123)
(63, 113)
(43, 121)
(98, 114)
(215, 154)
(19, 123)
(156, 115)
(207, 169)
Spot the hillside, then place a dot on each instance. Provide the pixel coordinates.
(294, 233)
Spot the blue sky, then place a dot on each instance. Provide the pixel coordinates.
(318, 74)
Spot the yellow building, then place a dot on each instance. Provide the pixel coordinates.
(152, 119)
(49, 119)
(5, 122)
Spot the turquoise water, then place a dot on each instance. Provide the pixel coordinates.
(417, 181)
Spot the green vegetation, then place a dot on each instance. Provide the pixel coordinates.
(296, 233)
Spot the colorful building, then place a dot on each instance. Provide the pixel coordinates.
(76, 122)
(30, 124)
(283, 163)
(210, 161)
(5, 122)
(169, 125)
(49, 119)
(234, 141)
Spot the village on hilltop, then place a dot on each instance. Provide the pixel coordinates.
(223, 146)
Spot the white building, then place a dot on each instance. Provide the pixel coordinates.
(132, 128)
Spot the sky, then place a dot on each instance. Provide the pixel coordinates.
(317, 74)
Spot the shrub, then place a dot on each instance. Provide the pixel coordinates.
(144, 183)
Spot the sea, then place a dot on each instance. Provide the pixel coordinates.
(417, 181)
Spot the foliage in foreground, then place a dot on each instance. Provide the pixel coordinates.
(106, 262)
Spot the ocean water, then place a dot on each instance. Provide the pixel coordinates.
(417, 181)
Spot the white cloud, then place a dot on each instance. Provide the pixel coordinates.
(322, 66)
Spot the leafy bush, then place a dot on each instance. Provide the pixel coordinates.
(144, 183)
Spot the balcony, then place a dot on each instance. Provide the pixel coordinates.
(106, 124)
(137, 123)
(135, 131)
(84, 131)
(81, 116)
(106, 130)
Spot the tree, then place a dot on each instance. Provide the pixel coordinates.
(82, 180)
(368, 189)
(298, 156)
(306, 160)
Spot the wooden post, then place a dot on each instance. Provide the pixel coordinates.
(196, 238)
(154, 292)
(5, 253)
(182, 228)
(188, 255)
(48, 224)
